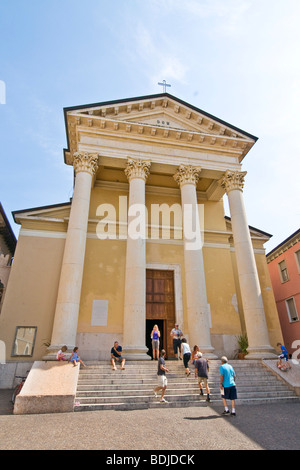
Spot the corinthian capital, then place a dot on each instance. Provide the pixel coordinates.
(137, 169)
(233, 180)
(85, 162)
(187, 174)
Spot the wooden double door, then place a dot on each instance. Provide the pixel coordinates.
(160, 307)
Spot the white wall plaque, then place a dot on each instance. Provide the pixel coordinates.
(99, 313)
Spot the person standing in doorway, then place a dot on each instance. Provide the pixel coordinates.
(155, 335)
(201, 370)
(162, 379)
(176, 334)
(228, 386)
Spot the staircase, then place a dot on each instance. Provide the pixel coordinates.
(101, 388)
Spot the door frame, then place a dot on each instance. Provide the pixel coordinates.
(178, 304)
(176, 268)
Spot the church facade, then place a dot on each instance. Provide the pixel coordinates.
(143, 241)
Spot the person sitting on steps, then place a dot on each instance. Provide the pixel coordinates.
(116, 356)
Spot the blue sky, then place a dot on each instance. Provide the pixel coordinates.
(236, 59)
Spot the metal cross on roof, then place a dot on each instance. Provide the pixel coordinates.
(164, 84)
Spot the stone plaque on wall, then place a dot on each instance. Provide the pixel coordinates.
(99, 313)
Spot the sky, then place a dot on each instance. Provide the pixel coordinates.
(238, 60)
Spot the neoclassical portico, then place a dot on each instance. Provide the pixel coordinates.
(92, 290)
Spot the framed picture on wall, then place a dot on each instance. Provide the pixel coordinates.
(24, 341)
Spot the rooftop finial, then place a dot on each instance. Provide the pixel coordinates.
(164, 84)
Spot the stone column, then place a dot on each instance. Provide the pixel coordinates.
(197, 307)
(255, 320)
(69, 290)
(134, 346)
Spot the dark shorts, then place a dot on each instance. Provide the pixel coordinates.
(176, 345)
(118, 359)
(230, 393)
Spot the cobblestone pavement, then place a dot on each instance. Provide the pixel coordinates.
(269, 426)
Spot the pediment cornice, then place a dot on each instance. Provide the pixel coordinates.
(55, 213)
(155, 119)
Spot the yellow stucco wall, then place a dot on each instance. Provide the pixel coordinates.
(32, 291)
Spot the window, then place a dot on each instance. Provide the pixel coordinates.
(283, 271)
(291, 308)
(24, 341)
(297, 255)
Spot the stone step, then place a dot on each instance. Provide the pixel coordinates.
(101, 388)
(183, 381)
(212, 362)
(176, 404)
(177, 394)
(111, 376)
(175, 389)
(265, 380)
(171, 367)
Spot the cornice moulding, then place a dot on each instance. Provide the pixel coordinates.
(283, 248)
(173, 133)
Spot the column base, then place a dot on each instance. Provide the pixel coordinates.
(263, 352)
(135, 353)
(209, 356)
(208, 352)
(53, 349)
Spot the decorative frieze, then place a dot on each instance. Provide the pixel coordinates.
(85, 162)
(233, 180)
(137, 169)
(187, 174)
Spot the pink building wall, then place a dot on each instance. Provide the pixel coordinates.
(288, 289)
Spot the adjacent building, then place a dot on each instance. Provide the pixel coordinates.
(284, 268)
(7, 250)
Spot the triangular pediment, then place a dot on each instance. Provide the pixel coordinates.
(255, 233)
(56, 213)
(155, 118)
(162, 111)
(166, 120)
